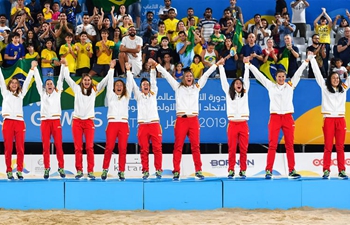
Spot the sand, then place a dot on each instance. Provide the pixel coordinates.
(171, 217)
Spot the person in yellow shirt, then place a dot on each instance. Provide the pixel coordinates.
(197, 66)
(324, 30)
(171, 22)
(32, 54)
(104, 49)
(48, 61)
(47, 12)
(190, 16)
(20, 9)
(84, 53)
(69, 52)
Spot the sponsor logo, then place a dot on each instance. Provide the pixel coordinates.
(334, 162)
(221, 163)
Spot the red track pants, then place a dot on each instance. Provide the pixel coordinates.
(121, 131)
(237, 132)
(13, 130)
(334, 128)
(86, 128)
(153, 132)
(277, 122)
(187, 127)
(48, 128)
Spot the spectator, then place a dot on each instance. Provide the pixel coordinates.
(286, 28)
(146, 69)
(32, 54)
(281, 6)
(69, 7)
(62, 30)
(343, 47)
(130, 51)
(190, 15)
(223, 21)
(339, 69)
(185, 50)
(164, 49)
(104, 50)
(260, 30)
(209, 57)
(34, 8)
(197, 67)
(48, 61)
(161, 32)
(3, 20)
(120, 15)
(148, 28)
(151, 50)
(339, 30)
(167, 65)
(46, 34)
(178, 72)
(69, 52)
(164, 11)
(324, 31)
(230, 55)
(171, 22)
(319, 52)
(47, 12)
(253, 51)
(87, 28)
(55, 14)
(19, 10)
(180, 26)
(105, 23)
(84, 53)
(270, 53)
(298, 16)
(206, 25)
(230, 31)
(117, 42)
(14, 51)
(274, 29)
(135, 10)
(32, 39)
(124, 28)
(217, 38)
(236, 11)
(293, 53)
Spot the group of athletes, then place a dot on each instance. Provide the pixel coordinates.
(187, 123)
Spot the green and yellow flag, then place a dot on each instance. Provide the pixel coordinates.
(238, 36)
(20, 71)
(269, 68)
(107, 4)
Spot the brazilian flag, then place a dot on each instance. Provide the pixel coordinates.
(237, 39)
(107, 4)
(20, 70)
(269, 68)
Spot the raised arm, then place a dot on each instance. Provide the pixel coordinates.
(257, 74)
(246, 81)
(103, 83)
(223, 79)
(318, 75)
(2, 82)
(171, 80)
(153, 79)
(70, 81)
(129, 79)
(203, 80)
(296, 78)
(29, 78)
(38, 81)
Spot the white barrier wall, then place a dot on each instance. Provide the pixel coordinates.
(214, 165)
